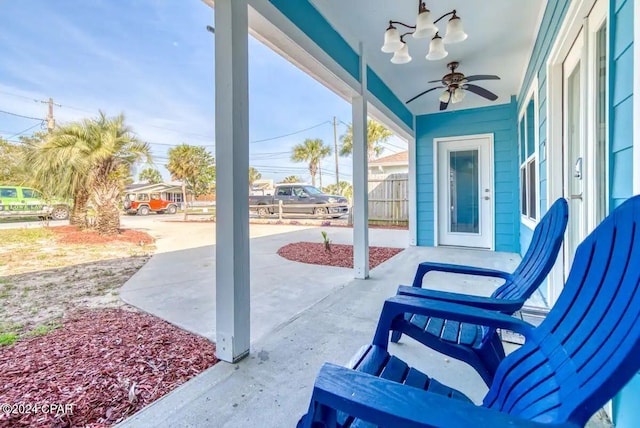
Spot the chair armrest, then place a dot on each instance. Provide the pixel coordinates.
(388, 403)
(426, 267)
(502, 305)
(397, 306)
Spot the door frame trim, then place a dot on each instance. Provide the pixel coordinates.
(436, 224)
(575, 21)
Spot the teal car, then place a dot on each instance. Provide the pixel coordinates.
(18, 201)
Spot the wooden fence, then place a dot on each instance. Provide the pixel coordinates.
(389, 197)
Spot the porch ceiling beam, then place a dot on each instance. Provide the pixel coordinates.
(360, 177)
(232, 177)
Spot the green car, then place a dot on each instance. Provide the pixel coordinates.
(17, 201)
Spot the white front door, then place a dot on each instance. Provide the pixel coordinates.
(574, 148)
(465, 191)
(579, 164)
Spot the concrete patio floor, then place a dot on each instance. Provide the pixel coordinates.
(302, 316)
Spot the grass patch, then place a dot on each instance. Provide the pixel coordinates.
(44, 329)
(25, 236)
(7, 339)
(9, 333)
(6, 290)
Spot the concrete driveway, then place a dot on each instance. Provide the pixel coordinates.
(178, 283)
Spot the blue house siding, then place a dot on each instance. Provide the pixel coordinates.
(498, 120)
(317, 28)
(551, 22)
(626, 413)
(621, 102)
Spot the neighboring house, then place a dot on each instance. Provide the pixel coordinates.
(396, 163)
(262, 187)
(481, 174)
(168, 191)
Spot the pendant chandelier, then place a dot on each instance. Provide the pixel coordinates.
(425, 27)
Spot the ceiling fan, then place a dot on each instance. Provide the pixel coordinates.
(455, 86)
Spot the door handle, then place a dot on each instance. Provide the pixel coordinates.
(574, 197)
(577, 173)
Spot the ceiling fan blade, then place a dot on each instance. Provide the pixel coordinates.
(443, 106)
(481, 77)
(422, 93)
(435, 81)
(481, 91)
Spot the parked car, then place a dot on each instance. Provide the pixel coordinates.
(144, 203)
(300, 199)
(18, 201)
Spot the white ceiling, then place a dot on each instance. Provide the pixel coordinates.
(501, 36)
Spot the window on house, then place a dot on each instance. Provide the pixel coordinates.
(528, 161)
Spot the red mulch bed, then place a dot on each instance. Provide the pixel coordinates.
(105, 364)
(75, 235)
(340, 255)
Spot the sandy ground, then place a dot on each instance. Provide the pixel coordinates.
(41, 279)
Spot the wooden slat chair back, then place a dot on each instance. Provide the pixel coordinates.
(480, 346)
(588, 346)
(582, 354)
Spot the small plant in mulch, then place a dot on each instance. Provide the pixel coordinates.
(327, 241)
(104, 365)
(339, 256)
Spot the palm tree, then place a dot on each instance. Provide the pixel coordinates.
(90, 160)
(376, 135)
(195, 167)
(345, 189)
(292, 179)
(311, 151)
(57, 168)
(254, 175)
(150, 175)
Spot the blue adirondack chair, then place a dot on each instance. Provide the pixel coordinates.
(582, 354)
(476, 345)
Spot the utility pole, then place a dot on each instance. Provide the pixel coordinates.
(335, 145)
(51, 122)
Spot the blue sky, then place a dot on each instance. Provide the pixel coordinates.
(153, 61)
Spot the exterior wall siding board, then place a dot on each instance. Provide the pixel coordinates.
(501, 122)
(552, 20)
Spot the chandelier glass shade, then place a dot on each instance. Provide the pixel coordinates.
(425, 28)
(401, 56)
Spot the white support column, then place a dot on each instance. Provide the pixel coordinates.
(413, 211)
(232, 179)
(360, 177)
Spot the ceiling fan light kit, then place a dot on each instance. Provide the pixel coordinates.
(456, 85)
(425, 27)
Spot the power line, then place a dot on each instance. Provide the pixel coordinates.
(21, 115)
(290, 134)
(19, 96)
(26, 130)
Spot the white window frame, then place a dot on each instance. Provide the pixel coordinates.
(532, 94)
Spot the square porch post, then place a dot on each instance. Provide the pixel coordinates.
(232, 179)
(360, 178)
